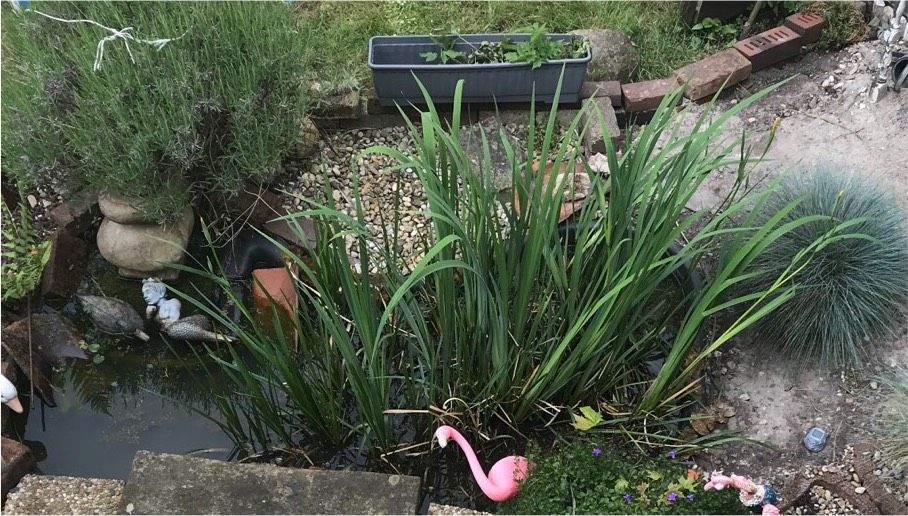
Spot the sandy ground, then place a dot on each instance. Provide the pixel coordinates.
(776, 402)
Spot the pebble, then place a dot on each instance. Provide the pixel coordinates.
(32, 200)
(860, 489)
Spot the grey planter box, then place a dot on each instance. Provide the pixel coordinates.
(395, 59)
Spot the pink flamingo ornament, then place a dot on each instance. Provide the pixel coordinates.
(751, 494)
(502, 482)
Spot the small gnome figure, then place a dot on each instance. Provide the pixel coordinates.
(759, 497)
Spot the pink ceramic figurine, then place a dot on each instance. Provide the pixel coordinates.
(751, 494)
(502, 482)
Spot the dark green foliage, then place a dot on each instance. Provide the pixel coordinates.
(571, 480)
(850, 295)
(536, 51)
(202, 115)
(24, 255)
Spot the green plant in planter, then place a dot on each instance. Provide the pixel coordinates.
(202, 115)
(537, 50)
(853, 292)
(24, 255)
(584, 477)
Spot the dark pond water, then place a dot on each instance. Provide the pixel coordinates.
(132, 396)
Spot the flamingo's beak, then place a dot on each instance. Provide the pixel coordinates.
(442, 439)
(15, 405)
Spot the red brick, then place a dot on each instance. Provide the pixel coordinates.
(808, 25)
(610, 89)
(274, 284)
(646, 95)
(707, 75)
(770, 47)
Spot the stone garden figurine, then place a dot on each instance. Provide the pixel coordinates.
(114, 316)
(166, 312)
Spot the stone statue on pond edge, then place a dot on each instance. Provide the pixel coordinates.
(166, 312)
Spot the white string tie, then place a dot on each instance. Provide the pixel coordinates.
(123, 34)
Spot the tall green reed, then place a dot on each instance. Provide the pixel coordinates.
(502, 319)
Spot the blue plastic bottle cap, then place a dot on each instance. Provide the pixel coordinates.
(815, 440)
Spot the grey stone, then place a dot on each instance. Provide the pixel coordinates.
(51, 494)
(308, 138)
(595, 133)
(615, 58)
(173, 484)
(142, 250)
(499, 166)
(122, 210)
(76, 213)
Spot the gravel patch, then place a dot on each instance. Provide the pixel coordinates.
(437, 508)
(43, 494)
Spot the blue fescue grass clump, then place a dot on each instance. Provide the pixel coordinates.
(851, 294)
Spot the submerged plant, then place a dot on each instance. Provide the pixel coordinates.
(852, 293)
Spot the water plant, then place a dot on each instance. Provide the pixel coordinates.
(502, 321)
(850, 295)
(216, 106)
(24, 254)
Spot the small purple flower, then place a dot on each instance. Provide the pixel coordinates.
(690, 497)
(627, 498)
(597, 451)
(672, 496)
(672, 454)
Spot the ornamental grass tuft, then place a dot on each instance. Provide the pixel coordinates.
(851, 294)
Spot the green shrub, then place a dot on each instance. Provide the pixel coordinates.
(895, 443)
(24, 255)
(204, 114)
(583, 478)
(850, 295)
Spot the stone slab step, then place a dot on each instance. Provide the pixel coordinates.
(173, 484)
(46, 494)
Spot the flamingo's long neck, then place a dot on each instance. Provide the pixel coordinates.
(485, 484)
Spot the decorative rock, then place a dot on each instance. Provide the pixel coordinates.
(815, 440)
(309, 136)
(68, 262)
(344, 106)
(76, 213)
(17, 461)
(173, 484)
(707, 75)
(499, 167)
(595, 134)
(646, 95)
(610, 89)
(144, 250)
(274, 287)
(614, 56)
(122, 210)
